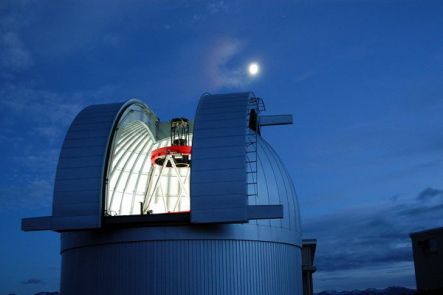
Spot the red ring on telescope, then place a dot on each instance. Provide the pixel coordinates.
(174, 149)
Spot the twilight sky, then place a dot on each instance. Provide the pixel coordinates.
(363, 80)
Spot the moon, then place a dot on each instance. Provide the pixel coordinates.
(253, 69)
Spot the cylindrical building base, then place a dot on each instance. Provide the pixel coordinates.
(183, 267)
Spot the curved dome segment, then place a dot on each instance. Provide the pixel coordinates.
(224, 167)
(137, 184)
(275, 186)
(129, 168)
(81, 171)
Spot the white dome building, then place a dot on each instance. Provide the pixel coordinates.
(176, 207)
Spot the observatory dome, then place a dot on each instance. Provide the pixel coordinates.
(201, 206)
(258, 257)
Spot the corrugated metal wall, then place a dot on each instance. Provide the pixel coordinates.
(183, 267)
(219, 178)
(80, 170)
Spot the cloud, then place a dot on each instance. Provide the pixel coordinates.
(430, 193)
(32, 281)
(306, 75)
(39, 115)
(429, 205)
(46, 113)
(209, 11)
(34, 124)
(32, 193)
(215, 7)
(428, 210)
(221, 68)
(356, 240)
(396, 274)
(15, 56)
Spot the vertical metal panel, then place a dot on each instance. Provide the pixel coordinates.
(183, 267)
(220, 137)
(78, 188)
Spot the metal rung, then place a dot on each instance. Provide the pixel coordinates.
(252, 148)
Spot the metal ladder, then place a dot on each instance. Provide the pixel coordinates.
(256, 105)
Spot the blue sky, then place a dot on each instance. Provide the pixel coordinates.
(363, 80)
